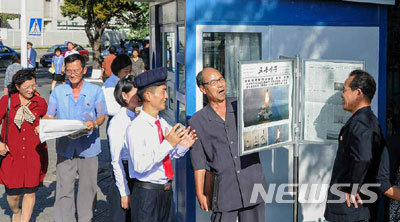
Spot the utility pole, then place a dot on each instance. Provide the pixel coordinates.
(24, 58)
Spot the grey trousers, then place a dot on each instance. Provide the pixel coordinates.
(67, 170)
(249, 214)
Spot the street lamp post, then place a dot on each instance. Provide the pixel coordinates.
(24, 60)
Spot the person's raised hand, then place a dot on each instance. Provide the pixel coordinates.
(176, 135)
(189, 138)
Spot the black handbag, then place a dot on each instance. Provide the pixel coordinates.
(6, 136)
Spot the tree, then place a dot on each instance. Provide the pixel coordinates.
(7, 16)
(139, 28)
(98, 15)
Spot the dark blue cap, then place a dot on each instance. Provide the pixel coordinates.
(153, 77)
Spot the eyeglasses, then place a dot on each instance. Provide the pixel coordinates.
(73, 72)
(345, 90)
(33, 87)
(214, 82)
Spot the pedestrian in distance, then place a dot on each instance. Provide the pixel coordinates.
(145, 55)
(137, 63)
(122, 45)
(106, 66)
(11, 70)
(25, 163)
(57, 64)
(31, 56)
(70, 50)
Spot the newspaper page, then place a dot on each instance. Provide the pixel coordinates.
(265, 104)
(56, 128)
(323, 86)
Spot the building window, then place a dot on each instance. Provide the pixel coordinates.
(223, 51)
(169, 51)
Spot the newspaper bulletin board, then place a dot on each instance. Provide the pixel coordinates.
(323, 83)
(265, 105)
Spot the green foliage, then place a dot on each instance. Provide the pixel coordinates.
(98, 15)
(7, 16)
(137, 21)
(100, 12)
(139, 33)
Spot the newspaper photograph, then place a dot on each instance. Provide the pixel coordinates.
(265, 104)
(323, 86)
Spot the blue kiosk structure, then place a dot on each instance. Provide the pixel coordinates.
(187, 35)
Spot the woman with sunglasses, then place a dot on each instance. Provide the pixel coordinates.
(121, 184)
(25, 163)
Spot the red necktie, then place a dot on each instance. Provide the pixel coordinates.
(169, 173)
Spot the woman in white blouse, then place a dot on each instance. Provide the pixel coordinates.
(121, 185)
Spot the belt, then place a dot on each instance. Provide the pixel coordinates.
(153, 186)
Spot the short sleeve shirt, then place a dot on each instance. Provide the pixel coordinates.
(89, 105)
(58, 63)
(217, 147)
(111, 82)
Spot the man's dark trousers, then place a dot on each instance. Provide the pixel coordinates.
(151, 205)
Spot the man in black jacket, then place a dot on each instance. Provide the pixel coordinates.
(357, 160)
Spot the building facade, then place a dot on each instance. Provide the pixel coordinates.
(55, 28)
(49, 10)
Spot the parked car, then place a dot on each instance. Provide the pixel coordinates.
(6, 54)
(45, 60)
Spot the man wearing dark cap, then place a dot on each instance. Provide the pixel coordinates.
(152, 144)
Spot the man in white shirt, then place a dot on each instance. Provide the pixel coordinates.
(151, 150)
